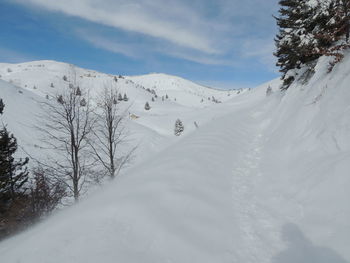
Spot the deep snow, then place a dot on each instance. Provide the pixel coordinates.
(263, 179)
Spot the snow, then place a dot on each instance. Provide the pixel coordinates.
(263, 179)
(185, 92)
(152, 131)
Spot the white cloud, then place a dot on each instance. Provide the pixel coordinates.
(142, 50)
(262, 50)
(107, 44)
(203, 31)
(159, 19)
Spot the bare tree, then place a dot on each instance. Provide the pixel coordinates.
(66, 125)
(110, 133)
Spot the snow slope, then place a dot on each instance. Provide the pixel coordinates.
(152, 130)
(264, 179)
(185, 92)
(37, 76)
(21, 108)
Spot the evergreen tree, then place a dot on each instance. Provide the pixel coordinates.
(78, 91)
(83, 102)
(342, 20)
(2, 106)
(179, 127)
(13, 173)
(120, 97)
(147, 106)
(310, 29)
(125, 98)
(332, 32)
(295, 40)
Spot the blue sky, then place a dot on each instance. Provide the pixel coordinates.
(221, 43)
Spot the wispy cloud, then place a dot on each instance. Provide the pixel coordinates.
(105, 43)
(159, 19)
(261, 50)
(203, 31)
(143, 50)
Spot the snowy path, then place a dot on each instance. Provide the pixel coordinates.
(257, 229)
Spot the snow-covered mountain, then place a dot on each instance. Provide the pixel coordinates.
(170, 98)
(185, 92)
(263, 179)
(46, 77)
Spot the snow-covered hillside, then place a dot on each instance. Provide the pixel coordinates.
(46, 77)
(170, 98)
(185, 92)
(263, 179)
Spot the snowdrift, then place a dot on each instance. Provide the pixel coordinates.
(264, 179)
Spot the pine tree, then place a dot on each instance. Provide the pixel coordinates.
(179, 127)
(13, 173)
(342, 19)
(120, 97)
(332, 32)
(78, 91)
(125, 98)
(295, 41)
(83, 102)
(2, 106)
(147, 106)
